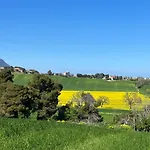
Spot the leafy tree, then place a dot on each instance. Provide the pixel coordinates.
(107, 76)
(57, 86)
(47, 105)
(11, 68)
(82, 108)
(40, 96)
(119, 77)
(102, 100)
(6, 75)
(141, 82)
(50, 72)
(3, 87)
(139, 120)
(132, 99)
(17, 101)
(100, 76)
(42, 83)
(48, 93)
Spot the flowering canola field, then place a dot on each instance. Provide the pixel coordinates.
(115, 98)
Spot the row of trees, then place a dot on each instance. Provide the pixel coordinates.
(96, 76)
(40, 97)
(99, 76)
(141, 82)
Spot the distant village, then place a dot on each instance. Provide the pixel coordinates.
(78, 75)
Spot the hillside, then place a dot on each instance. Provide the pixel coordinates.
(83, 83)
(3, 63)
(145, 90)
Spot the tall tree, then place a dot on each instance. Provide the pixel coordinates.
(132, 99)
(82, 108)
(49, 72)
(102, 100)
(17, 101)
(49, 92)
(6, 75)
(42, 83)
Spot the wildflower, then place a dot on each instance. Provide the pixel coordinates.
(125, 126)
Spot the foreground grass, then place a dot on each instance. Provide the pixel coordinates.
(78, 84)
(44, 135)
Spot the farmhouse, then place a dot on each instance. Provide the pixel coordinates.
(2, 68)
(67, 74)
(18, 69)
(32, 71)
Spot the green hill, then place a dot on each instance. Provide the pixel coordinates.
(83, 83)
(145, 90)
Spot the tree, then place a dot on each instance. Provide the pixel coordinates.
(107, 76)
(50, 72)
(17, 101)
(79, 75)
(82, 108)
(100, 76)
(11, 68)
(42, 83)
(57, 86)
(132, 99)
(47, 105)
(102, 100)
(141, 82)
(41, 96)
(6, 75)
(48, 93)
(119, 77)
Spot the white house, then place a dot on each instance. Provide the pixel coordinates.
(67, 73)
(2, 68)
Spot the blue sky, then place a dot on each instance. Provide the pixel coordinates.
(86, 36)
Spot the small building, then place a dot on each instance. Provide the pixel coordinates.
(32, 71)
(2, 68)
(111, 77)
(67, 74)
(18, 69)
(104, 78)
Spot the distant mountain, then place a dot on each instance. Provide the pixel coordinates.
(3, 63)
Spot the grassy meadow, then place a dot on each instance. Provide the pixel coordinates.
(77, 84)
(43, 135)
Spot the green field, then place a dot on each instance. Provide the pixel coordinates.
(83, 83)
(145, 90)
(29, 134)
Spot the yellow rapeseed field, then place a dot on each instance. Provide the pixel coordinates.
(115, 98)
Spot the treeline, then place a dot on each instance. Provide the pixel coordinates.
(100, 76)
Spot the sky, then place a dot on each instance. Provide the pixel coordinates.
(80, 36)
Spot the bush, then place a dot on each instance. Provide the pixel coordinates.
(138, 120)
(81, 109)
